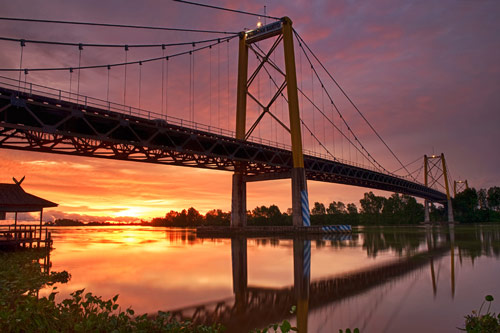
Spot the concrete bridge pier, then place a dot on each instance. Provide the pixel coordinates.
(300, 200)
(427, 218)
(239, 201)
(449, 208)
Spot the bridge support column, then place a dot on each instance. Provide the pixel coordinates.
(239, 201)
(300, 200)
(449, 208)
(301, 280)
(427, 218)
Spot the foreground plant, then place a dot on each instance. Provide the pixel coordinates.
(21, 310)
(487, 323)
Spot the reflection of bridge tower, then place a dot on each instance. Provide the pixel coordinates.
(435, 169)
(432, 244)
(282, 29)
(240, 273)
(302, 271)
(452, 255)
(301, 281)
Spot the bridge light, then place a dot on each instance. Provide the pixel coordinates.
(259, 24)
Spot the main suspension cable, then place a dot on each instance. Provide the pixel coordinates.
(162, 45)
(305, 125)
(350, 100)
(117, 64)
(408, 164)
(110, 25)
(226, 9)
(338, 111)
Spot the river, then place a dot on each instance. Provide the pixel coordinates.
(378, 280)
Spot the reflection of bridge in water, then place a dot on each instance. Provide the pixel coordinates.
(256, 307)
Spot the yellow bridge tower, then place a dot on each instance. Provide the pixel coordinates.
(300, 202)
(434, 170)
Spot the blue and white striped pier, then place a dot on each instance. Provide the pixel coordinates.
(276, 230)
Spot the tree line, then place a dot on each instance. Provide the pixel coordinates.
(473, 205)
(469, 206)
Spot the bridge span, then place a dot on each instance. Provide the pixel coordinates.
(45, 120)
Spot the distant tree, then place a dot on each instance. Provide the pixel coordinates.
(318, 209)
(260, 211)
(494, 198)
(217, 217)
(171, 218)
(352, 209)
(437, 213)
(67, 222)
(392, 209)
(267, 216)
(336, 208)
(482, 198)
(413, 212)
(352, 216)
(465, 205)
(158, 222)
(182, 219)
(371, 208)
(274, 212)
(194, 217)
(371, 204)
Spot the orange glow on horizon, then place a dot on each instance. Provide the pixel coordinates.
(90, 189)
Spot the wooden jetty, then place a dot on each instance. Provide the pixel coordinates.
(13, 199)
(25, 236)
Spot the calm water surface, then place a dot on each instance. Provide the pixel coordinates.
(379, 280)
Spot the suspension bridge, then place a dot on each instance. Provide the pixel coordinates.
(312, 140)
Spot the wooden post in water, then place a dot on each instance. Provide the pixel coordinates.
(15, 225)
(41, 215)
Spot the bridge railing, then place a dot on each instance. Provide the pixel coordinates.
(30, 88)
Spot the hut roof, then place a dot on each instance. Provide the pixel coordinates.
(14, 199)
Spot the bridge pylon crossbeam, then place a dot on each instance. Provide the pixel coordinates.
(300, 201)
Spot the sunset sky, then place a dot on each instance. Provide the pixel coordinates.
(426, 74)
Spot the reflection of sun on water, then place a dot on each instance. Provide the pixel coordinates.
(130, 239)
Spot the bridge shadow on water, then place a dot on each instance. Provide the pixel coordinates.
(259, 306)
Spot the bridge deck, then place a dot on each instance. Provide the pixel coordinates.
(54, 125)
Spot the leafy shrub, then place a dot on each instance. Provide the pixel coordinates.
(487, 323)
(22, 311)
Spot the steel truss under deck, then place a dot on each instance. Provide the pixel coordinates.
(38, 123)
